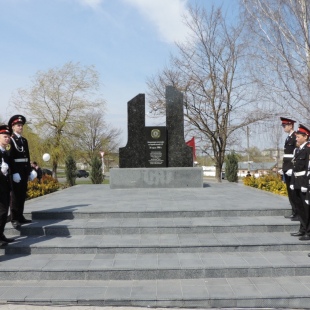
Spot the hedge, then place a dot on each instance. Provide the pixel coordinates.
(269, 183)
(48, 185)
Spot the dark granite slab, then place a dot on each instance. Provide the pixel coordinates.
(179, 154)
(134, 153)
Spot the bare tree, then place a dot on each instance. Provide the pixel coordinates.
(57, 103)
(36, 144)
(96, 136)
(279, 31)
(209, 69)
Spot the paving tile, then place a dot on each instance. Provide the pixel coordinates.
(91, 293)
(191, 263)
(246, 291)
(101, 264)
(125, 256)
(144, 291)
(78, 264)
(221, 291)
(41, 294)
(146, 263)
(193, 282)
(18, 293)
(296, 290)
(239, 281)
(118, 292)
(216, 281)
(234, 261)
(168, 256)
(257, 261)
(303, 279)
(165, 239)
(169, 289)
(194, 292)
(104, 256)
(185, 256)
(263, 280)
(168, 263)
(277, 259)
(68, 293)
(213, 263)
(269, 290)
(124, 263)
(56, 265)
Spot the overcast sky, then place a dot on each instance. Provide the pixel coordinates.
(126, 40)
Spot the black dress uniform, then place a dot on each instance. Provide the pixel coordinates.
(300, 182)
(5, 186)
(20, 153)
(289, 147)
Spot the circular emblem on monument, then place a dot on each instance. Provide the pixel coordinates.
(155, 133)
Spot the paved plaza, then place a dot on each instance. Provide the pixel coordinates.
(221, 246)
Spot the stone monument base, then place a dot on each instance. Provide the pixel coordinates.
(172, 177)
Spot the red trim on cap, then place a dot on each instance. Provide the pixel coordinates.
(4, 131)
(18, 120)
(302, 130)
(286, 122)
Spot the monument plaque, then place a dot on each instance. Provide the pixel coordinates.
(156, 153)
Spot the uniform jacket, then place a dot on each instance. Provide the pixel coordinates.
(300, 167)
(5, 180)
(289, 147)
(20, 153)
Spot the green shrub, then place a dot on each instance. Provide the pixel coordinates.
(96, 175)
(48, 185)
(231, 169)
(70, 170)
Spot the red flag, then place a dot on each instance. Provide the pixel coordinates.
(191, 143)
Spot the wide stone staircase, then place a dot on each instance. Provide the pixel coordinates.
(221, 246)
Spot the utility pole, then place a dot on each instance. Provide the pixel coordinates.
(248, 145)
(102, 160)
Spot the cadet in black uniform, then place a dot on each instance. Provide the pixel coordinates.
(5, 180)
(21, 170)
(287, 166)
(300, 181)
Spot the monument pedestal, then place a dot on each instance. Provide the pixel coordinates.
(171, 177)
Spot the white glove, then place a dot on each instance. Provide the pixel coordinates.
(307, 202)
(4, 167)
(289, 172)
(16, 177)
(280, 171)
(303, 189)
(292, 187)
(33, 174)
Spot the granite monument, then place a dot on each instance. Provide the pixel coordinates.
(156, 156)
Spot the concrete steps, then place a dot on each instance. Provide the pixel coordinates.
(131, 266)
(156, 243)
(255, 292)
(157, 248)
(144, 212)
(160, 225)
